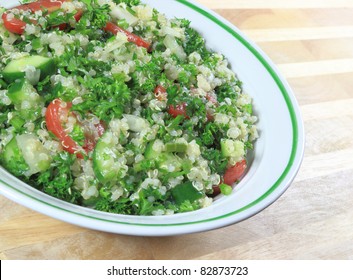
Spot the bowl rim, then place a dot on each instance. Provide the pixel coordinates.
(284, 180)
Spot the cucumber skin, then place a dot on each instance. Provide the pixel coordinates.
(176, 147)
(149, 152)
(168, 158)
(96, 163)
(35, 164)
(12, 158)
(232, 148)
(162, 158)
(17, 91)
(98, 155)
(11, 74)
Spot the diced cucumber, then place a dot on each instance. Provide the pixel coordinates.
(186, 165)
(25, 155)
(149, 152)
(164, 160)
(16, 68)
(105, 159)
(154, 149)
(169, 162)
(17, 91)
(185, 191)
(225, 189)
(232, 148)
(17, 121)
(176, 147)
(26, 99)
(35, 155)
(20, 91)
(12, 159)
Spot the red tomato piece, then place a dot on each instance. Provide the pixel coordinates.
(55, 118)
(14, 25)
(91, 137)
(234, 173)
(160, 93)
(179, 109)
(50, 5)
(212, 99)
(138, 41)
(17, 26)
(55, 114)
(78, 15)
(209, 117)
(231, 175)
(216, 191)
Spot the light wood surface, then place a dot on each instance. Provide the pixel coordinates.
(311, 41)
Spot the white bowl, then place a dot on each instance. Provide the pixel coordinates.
(274, 163)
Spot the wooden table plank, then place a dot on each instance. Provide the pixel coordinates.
(316, 68)
(299, 33)
(322, 88)
(276, 4)
(308, 50)
(287, 18)
(85, 245)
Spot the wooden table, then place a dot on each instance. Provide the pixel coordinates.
(311, 41)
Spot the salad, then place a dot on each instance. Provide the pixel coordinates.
(110, 105)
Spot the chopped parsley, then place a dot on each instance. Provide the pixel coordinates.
(139, 119)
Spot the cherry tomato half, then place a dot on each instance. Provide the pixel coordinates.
(56, 115)
(234, 173)
(17, 26)
(160, 93)
(231, 175)
(179, 109)
(138, 41)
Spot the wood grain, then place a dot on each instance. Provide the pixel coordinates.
(275, 4)
(300, 33)
(311, 42)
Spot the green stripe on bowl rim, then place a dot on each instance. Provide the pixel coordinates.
(292, 114)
